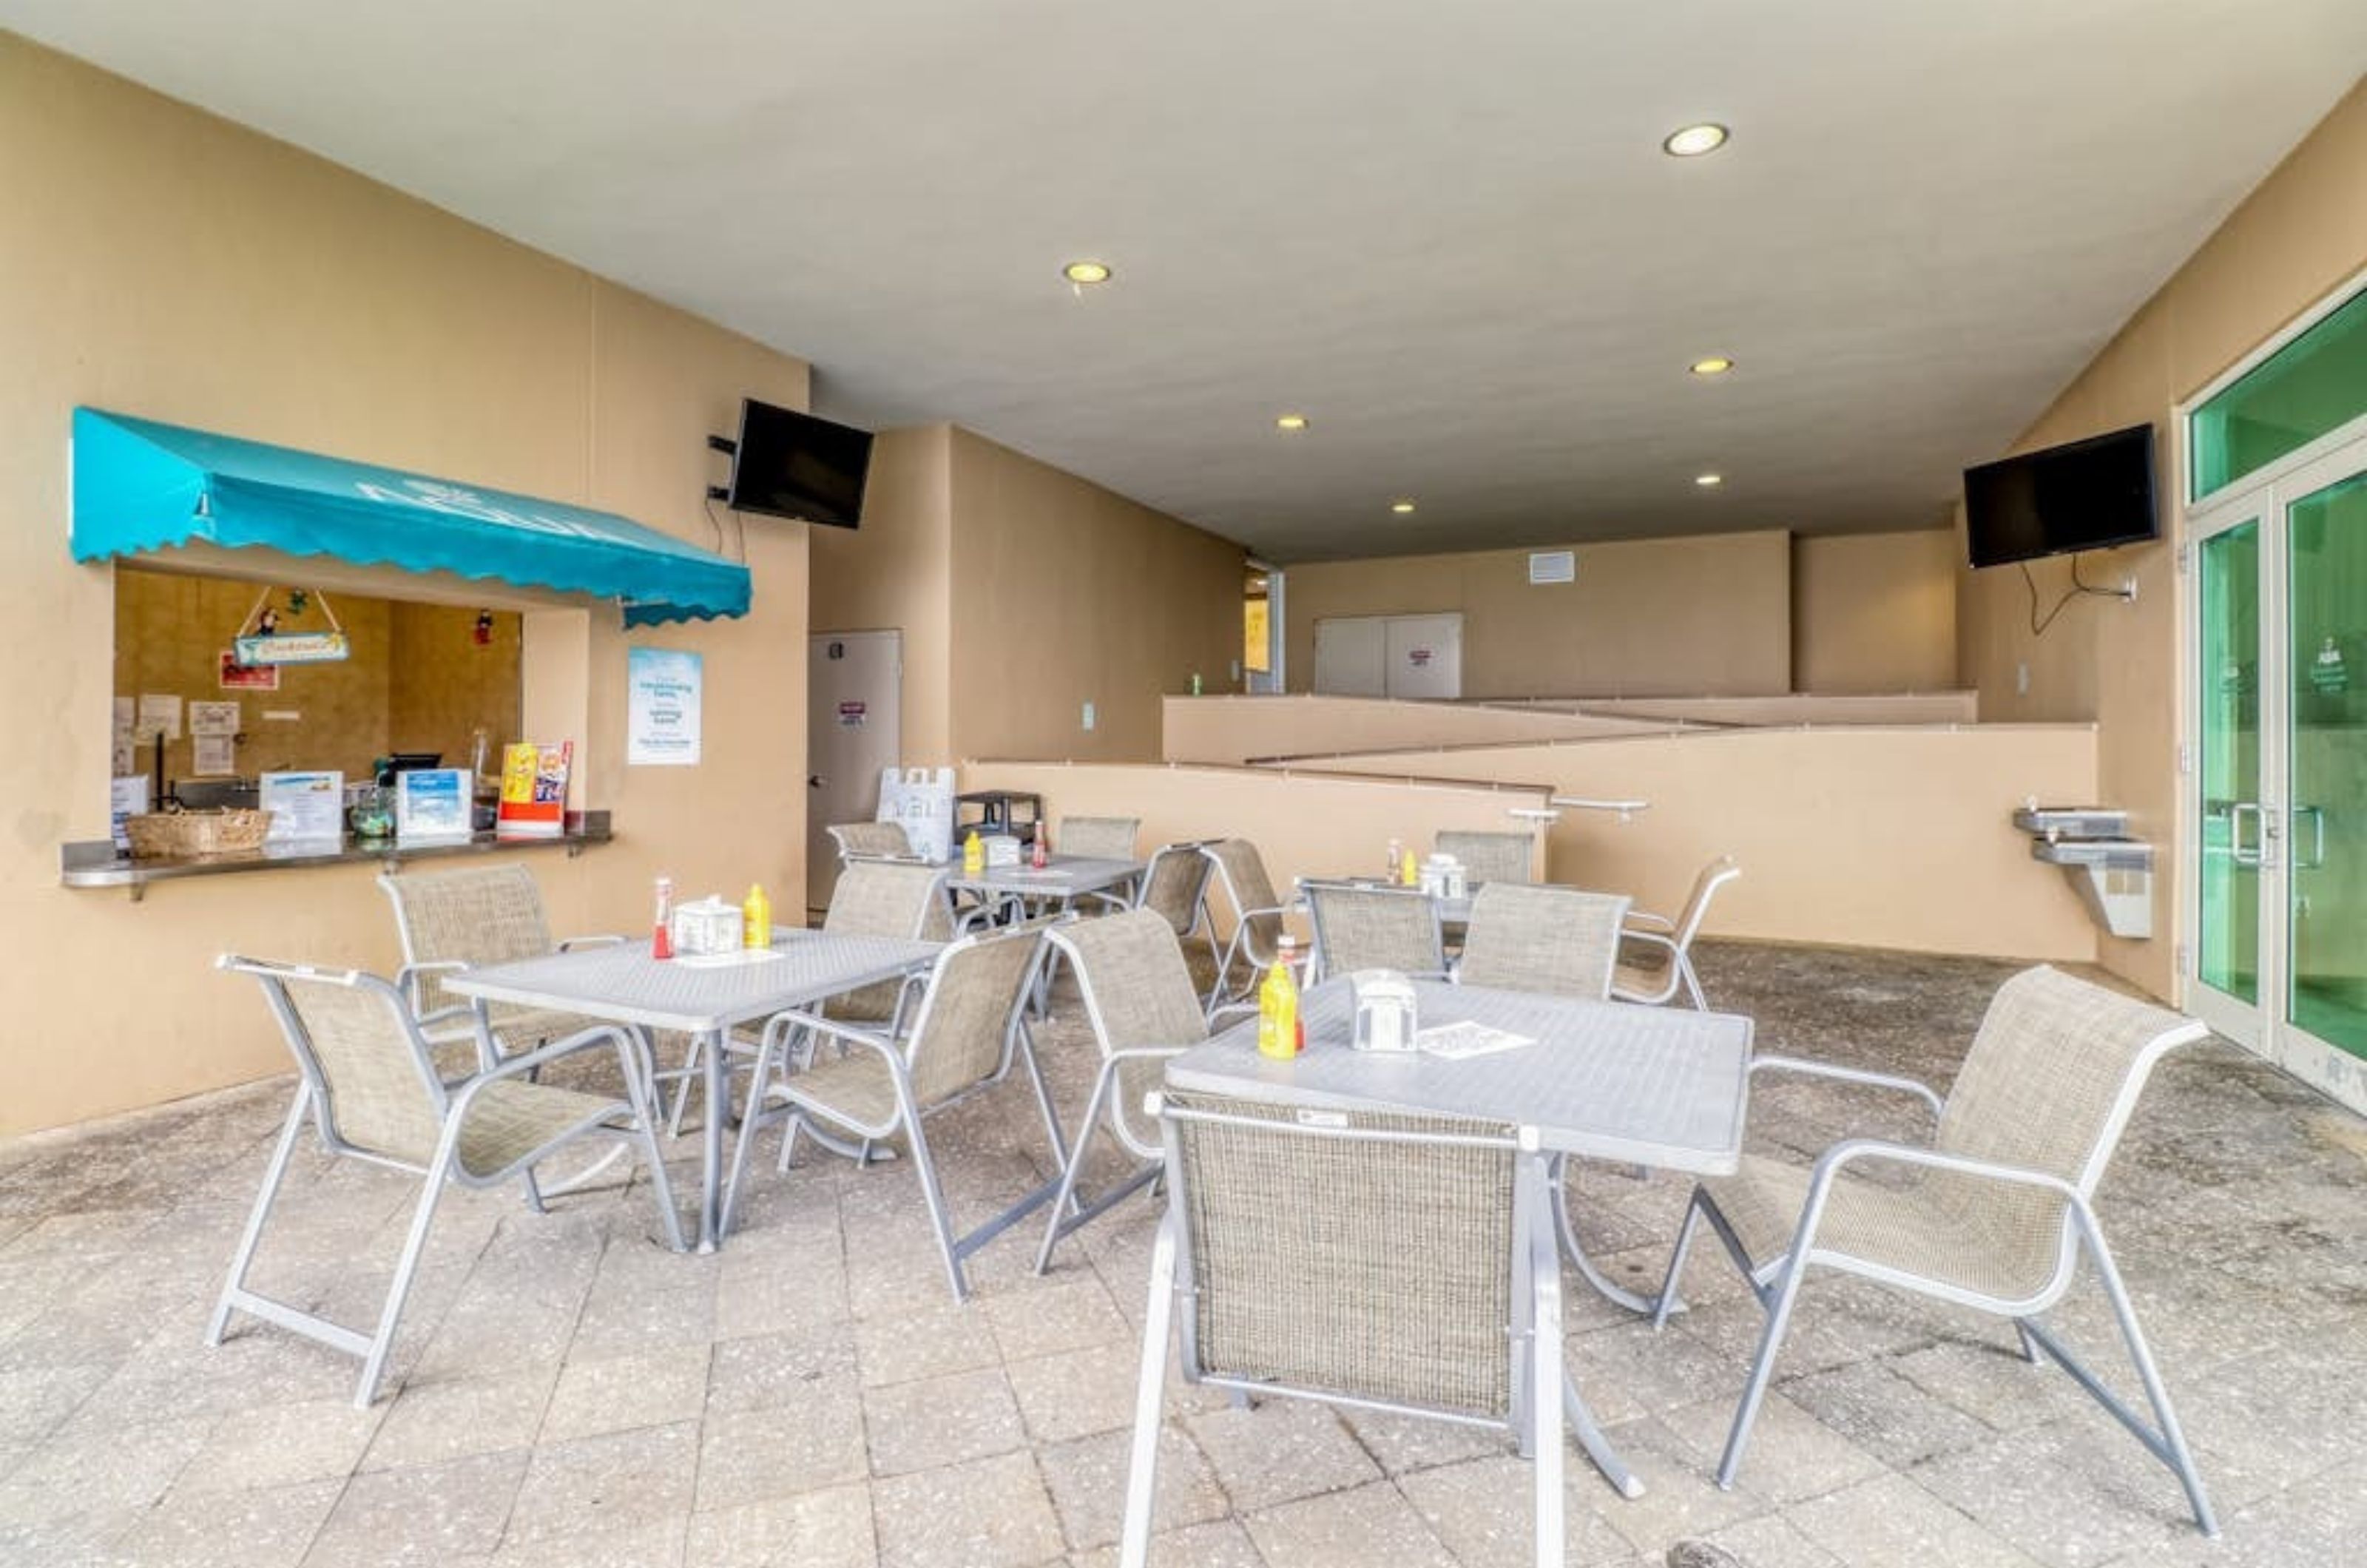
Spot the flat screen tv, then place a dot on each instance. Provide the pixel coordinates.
(2084, 496)
(794, 465)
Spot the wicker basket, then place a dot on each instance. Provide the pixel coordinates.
(175, 833)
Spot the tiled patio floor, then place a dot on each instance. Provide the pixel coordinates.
(568, 1393)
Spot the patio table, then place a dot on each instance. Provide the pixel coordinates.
(1603, 1080)
(1063, 880)
(624, 984)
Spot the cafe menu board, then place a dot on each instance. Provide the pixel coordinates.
(306, 808)
(432, 804)
(534, 789)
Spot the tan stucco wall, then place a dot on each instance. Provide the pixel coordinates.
(1897, 708)
(1240, 729)
(895, 573)
(167, 264)
(1866, 837)
(1874, 611)
(2296, 238)
(1644, 617)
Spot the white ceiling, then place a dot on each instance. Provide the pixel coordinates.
(1442, 227)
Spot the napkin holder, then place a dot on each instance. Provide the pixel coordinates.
(708, 925)
(1385, 1010)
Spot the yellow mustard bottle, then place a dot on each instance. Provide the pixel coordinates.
(1409, 873)
(756, 918)
(1272, 1040)
(973, 856)
(1289, 1030)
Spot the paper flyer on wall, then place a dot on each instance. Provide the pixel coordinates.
(663, 689)
(214, 718)
(534, 790)
(306, 808)
(213, 756)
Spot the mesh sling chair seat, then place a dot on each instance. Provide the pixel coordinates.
(1490, 857)
(1176, 885)
(966, 1032)
(1235, 865)
(878, 840)
(1098, 838)
(1359, 927)
(1380, 1261)
(1634, 982)
(475, 918)
(1993, 1214)
(366, 1079)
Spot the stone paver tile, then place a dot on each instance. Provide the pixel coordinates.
(278, 1445)
(928, 1337)
(1348, 1530)
(1070, 1314)
(764, 1369)
(654, 1542)
(1680, 1496)
(35, 1400)
(830, 1528)
(1406, 1443)
(1280, 1450)
(263, 1528)
(940, 1421)
(1088, 1481)
(989, 1513)
(1484, 1512)
(431, 1514)
(1792, 1455)
(1890, 1520)
(429, 1423)
(1988, 1379)
(747, 1456)
(2072, 1493)
(614, 1482)
(1629, 1371)
(2258, 1423)
(626, 1322)
(619, 1394)
(1770, 1540)
(88, 1472)
(69, 1540)
(1076, 1392)
(1221, 1544)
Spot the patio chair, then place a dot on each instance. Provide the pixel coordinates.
(368, 1081)
(1101, 837)
(965, 1033)
(1236, 866)
(1992, 1215)
(1490, 857)
(1558, 940)
(452, 920)
(1634, 982)
(1143, 1009)
(1375, 1261)
(1176, 885)
(1359, 927)
(886, 839)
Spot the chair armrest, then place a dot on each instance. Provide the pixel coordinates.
(408, 979)
(1654, 939)
(1641, 922)
(1922, 1091)
(781, 1023)
(581, 1040)
(1857, 1151)
(569, 944)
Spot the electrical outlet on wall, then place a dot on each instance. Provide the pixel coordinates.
(2021, 679)
(1089, 715)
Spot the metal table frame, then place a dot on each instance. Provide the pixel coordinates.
(624, 984)
(1603, 1080)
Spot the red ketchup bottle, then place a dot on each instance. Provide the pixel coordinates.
(662, 933)
(1041, 851)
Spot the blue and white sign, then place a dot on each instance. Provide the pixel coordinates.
(663, 689)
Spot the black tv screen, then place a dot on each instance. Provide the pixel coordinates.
(794, 465)
(2083, 496)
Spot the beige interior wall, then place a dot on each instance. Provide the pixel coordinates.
(185, 269)
(1645, 617)
(1241, 728)
(1305, 824)
(1864, 837)
(2299, 236)
(1874, 611)
(1909, 707)
(1065, 594)
(895, 573)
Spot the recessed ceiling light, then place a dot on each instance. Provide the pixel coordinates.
(1692, 140)
(1290, 421)
(1716, 365)
(1709, 482)
(1086, 272)
(1400, 507)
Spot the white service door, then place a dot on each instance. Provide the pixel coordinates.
(1351, 655)
(1425, 658)
(852, 683)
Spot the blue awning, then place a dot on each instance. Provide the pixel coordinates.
(142, 486)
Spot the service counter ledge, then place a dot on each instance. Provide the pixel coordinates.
(97, 862)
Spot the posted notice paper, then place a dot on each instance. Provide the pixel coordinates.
(306, 808)
(663, 687)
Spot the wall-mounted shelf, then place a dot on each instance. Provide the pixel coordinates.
(2111, 872)
(95, 862)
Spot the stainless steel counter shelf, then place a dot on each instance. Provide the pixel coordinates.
(97, 862)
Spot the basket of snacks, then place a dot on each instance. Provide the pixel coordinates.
(157, 835)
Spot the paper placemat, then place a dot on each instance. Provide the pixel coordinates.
(1457, 1042)
(731, 960)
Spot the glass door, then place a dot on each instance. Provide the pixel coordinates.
(2232, 850)
(2324, 902)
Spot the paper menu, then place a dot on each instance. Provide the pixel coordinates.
(432, 803)
(1458, 1042)
(306, 808)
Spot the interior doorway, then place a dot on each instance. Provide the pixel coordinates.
(1261, 630)
(854, 690)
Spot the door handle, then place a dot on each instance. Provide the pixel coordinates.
(815, 781)
(2236, 849)
(2316, 815)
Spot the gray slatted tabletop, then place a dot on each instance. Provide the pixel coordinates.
(623, 984)
(1607, 1080)
(1064, 878)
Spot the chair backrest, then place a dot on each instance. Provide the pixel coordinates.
(962, 1034)
(1137, 992)
(1175, 883)
(1240, 872)
(869, 839)
(1714, 875)
(481, 916)
(1371, 1258)
(1374, 927)
(889, 897)
(1553, 940)
(374, 1083)
(1490, 857)
(1100, 838)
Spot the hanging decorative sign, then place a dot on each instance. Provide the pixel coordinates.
(261, 642)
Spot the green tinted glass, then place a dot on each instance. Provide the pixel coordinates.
(2314, 384)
